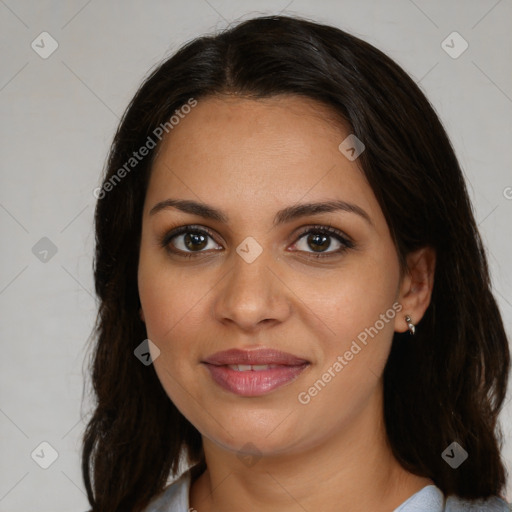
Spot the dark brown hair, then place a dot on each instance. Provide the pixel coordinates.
(446, 384)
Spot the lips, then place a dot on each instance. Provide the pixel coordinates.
(261, 356)
(254, 372)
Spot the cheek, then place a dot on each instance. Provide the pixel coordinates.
(353, 298)
(349, 373)
(162, 303)
(357, 309)
(174, 315)
(172, 312)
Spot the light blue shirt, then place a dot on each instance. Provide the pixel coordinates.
(175, 498)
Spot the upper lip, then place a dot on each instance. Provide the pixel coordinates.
(254, 357)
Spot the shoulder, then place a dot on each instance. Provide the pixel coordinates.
(431, 498)
(174, 498)
(493, 504)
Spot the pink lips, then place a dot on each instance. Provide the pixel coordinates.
(282, 368)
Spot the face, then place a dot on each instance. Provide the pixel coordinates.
(242, 266)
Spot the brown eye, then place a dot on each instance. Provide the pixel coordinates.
(319, 239)
(195, 241)
(188, 240)
(319, 242)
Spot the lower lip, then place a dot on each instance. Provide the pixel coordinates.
(254, 383)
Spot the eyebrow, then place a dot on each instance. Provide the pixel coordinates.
(282, 216)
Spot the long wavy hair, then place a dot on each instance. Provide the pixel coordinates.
(446, 384)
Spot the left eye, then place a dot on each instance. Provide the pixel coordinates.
(320, 240)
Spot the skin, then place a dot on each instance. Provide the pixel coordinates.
(251, 158)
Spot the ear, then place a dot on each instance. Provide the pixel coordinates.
(141, 314)
(416, 287)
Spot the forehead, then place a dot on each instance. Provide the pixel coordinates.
(258, 153)
(287, 126)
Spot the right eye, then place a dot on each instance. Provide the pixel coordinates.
(187, 240)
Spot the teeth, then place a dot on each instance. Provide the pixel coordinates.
(249, 367)
(257, 367)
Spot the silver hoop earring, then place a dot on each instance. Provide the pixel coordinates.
(412, 327)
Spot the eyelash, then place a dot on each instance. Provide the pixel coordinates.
(317, 229)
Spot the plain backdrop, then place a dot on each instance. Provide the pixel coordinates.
(59, 114)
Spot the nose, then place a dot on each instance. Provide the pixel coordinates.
(252, 295)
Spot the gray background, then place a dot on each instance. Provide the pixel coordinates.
(58, 118)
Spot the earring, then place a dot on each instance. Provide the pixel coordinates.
(412, 327)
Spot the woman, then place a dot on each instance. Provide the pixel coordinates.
(294, 296)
